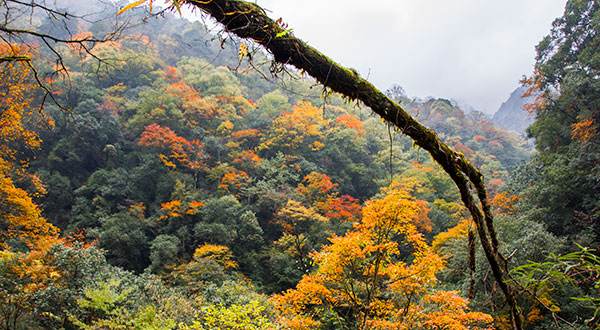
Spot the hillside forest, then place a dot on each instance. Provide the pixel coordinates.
(162, 172)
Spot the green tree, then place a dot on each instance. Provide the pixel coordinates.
(124, 236)
(163, 251)
(564, 191)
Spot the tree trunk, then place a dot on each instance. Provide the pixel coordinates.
(249, 21)
(471, 248)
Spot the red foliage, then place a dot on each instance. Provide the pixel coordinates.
(344, 208)
(421, 219)
(187, 153)
(186, 93)
(495, 184)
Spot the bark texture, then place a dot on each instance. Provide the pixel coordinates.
(249, 21)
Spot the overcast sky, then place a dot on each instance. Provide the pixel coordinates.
(471, 50)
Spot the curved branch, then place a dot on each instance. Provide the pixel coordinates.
(249, 21)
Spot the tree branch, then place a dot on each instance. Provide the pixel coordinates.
(12, 33)
(249, 21)
(15, 58)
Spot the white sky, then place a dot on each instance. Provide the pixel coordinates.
(471, 50)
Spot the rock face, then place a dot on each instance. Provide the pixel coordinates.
(511, 114)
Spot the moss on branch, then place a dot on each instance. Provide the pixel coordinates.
(249, 21)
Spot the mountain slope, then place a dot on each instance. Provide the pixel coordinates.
(511, 114)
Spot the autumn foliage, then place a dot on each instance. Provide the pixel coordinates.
(234, 180)
(344, 208)
(178, 150)
(366, 275)
(185, 183)
(583, 130)
(20, 218)
(301, 127)
(350, 121)
(177, 208)
(316, 186)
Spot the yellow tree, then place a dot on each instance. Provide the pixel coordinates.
(316, 187)
(20, 218)
(209, 263)
(21, 221)
(301, 231)
(379, 275)
(301, 127)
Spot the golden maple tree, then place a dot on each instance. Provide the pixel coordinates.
(379, 275)
(303, 126)
(20, 218)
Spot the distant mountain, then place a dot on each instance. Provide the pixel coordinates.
(511, 114)
(464, 106)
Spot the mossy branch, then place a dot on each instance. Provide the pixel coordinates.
(15, 58)
(249, 21)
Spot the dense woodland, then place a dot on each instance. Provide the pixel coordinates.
(164, 179)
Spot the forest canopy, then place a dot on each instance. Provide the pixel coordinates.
(158, 173)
